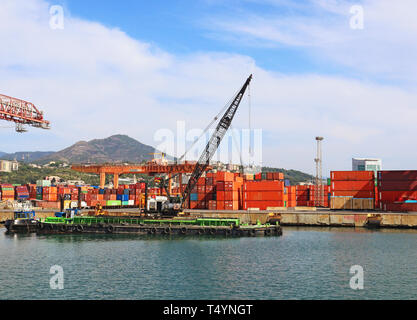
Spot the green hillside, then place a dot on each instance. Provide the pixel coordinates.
(294, 176)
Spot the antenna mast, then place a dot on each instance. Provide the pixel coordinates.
(318, 193)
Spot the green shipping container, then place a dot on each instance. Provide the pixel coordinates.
(329, 181)
(125, 203)
(112, 203)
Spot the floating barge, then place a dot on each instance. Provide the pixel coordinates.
(140, 226)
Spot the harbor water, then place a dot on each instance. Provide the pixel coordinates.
(304, 263)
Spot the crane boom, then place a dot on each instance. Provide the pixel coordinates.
(214, 141)
(22, 113)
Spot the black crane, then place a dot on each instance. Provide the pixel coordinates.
(210, 149)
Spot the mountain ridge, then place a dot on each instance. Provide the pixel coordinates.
(116, 148)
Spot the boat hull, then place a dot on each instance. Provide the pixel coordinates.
(21, 226)
(250, 231)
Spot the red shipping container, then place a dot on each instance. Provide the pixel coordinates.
(220, 205)
(278, 176)
(231, 196)
(352, 175)
(201, 205)
(390, 185)
(229, 186)
(210, 196)
(212, 205)
(220, 196)
(355, 194)
(201, 196)
(397, 175)
(401, 207)
(220, 185)
(263, 186)
(397, 195)
(225, 176)
(363, 185)
(231, 205)
(193, 204)
(263, 195)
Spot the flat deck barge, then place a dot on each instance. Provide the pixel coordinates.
(135, 225)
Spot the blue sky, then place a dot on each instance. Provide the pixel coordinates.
(138, 67)
(183, 27)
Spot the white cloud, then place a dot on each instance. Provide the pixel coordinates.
(93, 81)
(384, 48)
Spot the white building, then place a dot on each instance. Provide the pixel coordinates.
(366, 164)
(8, 166)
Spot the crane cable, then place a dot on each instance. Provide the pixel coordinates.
(250, 124)
(209, 126)
(234, 137)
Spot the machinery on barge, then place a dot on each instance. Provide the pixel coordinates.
(147, 226)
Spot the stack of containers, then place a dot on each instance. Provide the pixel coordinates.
(49, 198)
(352, 190)
(39, 191)
(123, 196)
(32, 191)
(211, 199)
(233, 194)
(7, 192)
(302, 195)
(263, 194)
(397, 190)
(291, 195)
(194, 198)
(248, 177)
(272, 176)
(91, 197)
(325, 192)
(22, 193)
(227, 193)
(50, 194)
(201, 193)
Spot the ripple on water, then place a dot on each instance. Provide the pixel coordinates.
(302, 264)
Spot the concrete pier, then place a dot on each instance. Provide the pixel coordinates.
(318, 217)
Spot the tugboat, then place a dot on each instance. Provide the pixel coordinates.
(23, 222)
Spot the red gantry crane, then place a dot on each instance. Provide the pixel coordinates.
(21, 113)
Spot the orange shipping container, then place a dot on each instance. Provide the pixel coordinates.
(263, 186)
(225, 176)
